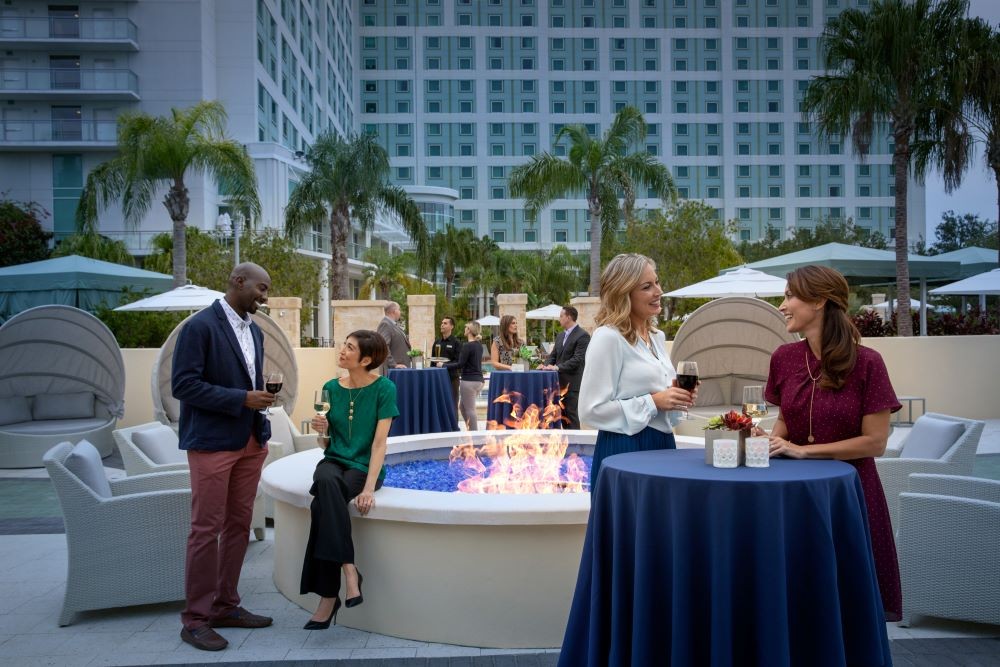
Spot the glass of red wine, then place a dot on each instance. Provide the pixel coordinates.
(272, 383)
(687, 379)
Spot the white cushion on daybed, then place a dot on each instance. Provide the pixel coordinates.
(14, 409)
(159, 443)
(77, 405)
(55, 426)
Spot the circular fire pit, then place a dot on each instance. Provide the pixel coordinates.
(488, 570)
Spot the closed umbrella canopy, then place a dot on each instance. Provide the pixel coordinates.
(72, 281)
(549, 312)
(857, 262)
(984, 283)
(186, 297)
(741, 282)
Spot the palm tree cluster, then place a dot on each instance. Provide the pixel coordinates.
(927, 72)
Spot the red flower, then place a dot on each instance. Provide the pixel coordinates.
(736, 422)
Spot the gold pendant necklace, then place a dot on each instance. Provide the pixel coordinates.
(350, 410)
(812, 394)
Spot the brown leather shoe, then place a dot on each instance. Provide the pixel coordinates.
(204, 638)
(241, 618)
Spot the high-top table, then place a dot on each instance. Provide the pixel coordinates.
(523, 388)
(425, 402)
(687, 564)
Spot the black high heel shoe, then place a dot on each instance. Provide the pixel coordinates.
(355, 601)
(323, 625)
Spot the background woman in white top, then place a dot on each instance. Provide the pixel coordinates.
(628, 383)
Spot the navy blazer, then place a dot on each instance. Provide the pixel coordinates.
(570, 358)
(211, 380)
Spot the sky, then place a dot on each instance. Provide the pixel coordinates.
(978, 192)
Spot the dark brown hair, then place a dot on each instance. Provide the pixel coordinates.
(509, 340)
(370, 344)
(839, 338)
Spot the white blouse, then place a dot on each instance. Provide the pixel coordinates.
(618, 379)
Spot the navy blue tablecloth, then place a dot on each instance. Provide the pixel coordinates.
(686, 564)
(524, 388)
(424, 400)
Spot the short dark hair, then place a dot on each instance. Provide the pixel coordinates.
(450, 319)
(572, 312)
(370, 344)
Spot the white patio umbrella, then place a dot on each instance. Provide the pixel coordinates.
(549, 312)
(983, 283)
(186, 297)
(489, 321)
(739, 282)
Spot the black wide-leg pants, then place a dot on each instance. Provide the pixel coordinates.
(330, 544)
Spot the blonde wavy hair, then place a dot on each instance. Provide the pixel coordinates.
(473, 328)
(621, 276)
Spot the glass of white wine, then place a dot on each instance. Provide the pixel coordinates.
(754, 406)
(321, 404)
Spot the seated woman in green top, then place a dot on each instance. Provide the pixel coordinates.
(362, 406)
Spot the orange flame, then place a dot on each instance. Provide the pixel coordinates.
(522, 463)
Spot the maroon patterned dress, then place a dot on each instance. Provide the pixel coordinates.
(836, 415)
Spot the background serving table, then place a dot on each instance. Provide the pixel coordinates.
(525, 388)
(424, 399)
(687, 564)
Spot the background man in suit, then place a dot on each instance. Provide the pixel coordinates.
(218, 379)
(567, 357)
(398, 342)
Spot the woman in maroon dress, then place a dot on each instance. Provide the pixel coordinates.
(835, 399)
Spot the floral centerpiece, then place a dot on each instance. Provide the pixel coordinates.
(731, 425)
(530, 356)
(416, 355)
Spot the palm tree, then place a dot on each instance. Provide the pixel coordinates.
(349, 178)
(384, 271)
(453, 250)
(600, 169)
(158, 151)
(893, 65)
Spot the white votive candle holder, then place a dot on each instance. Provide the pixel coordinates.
(725, 453)
(758, 452)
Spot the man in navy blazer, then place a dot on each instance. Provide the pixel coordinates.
(218, 378)
(567, 357)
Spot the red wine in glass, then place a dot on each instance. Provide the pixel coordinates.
(687, 382)
(272, 383)
(272, 387)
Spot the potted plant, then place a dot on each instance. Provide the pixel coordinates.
(416, 356)
(529, 359)
(731, 425)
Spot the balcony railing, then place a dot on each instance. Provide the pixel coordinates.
(58, 131)
(320, 242)
(56, 79)
(68, 28)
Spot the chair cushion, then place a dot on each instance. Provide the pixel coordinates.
(85, 462)
(78, 405)
(14, 409)
(159, 444)
(66, 427)
(930, 438)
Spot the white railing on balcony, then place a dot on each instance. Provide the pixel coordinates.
(70, 131)
(69, 79)
(29, 27)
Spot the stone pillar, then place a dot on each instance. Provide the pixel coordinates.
(350, 315)
(879, 299)
(287, 312)
(421, 326)
(587, 307)
(516, 305)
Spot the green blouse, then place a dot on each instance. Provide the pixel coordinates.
(351, 443)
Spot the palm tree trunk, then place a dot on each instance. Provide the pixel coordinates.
(595, 245)
(178, 203)
(901, 163)
(340, 225)
(996, 176)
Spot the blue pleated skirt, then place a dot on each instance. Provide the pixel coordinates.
(609, 444)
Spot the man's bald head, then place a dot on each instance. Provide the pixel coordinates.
(248, 271)
(249, 285)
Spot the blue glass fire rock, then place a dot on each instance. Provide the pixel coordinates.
(435, 475)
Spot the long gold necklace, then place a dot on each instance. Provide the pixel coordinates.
(350, 410)
(812, 394)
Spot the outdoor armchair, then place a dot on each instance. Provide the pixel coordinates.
(949, 539)
(937, 444)
(126, 539)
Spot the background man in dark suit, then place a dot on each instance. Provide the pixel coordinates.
(395, 338)
(567, 357)
(218, 379)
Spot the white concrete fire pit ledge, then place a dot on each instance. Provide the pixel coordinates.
(493, 571)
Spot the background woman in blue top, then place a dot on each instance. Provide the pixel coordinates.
(362, 406)
(628, 381)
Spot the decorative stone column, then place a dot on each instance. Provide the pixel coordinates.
(287, 312)
(421, 325)
(516, 305)
(587, 307)
(350, 315)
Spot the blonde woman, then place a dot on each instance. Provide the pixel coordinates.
(629, 384)
(506, 344)
(470, 367)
